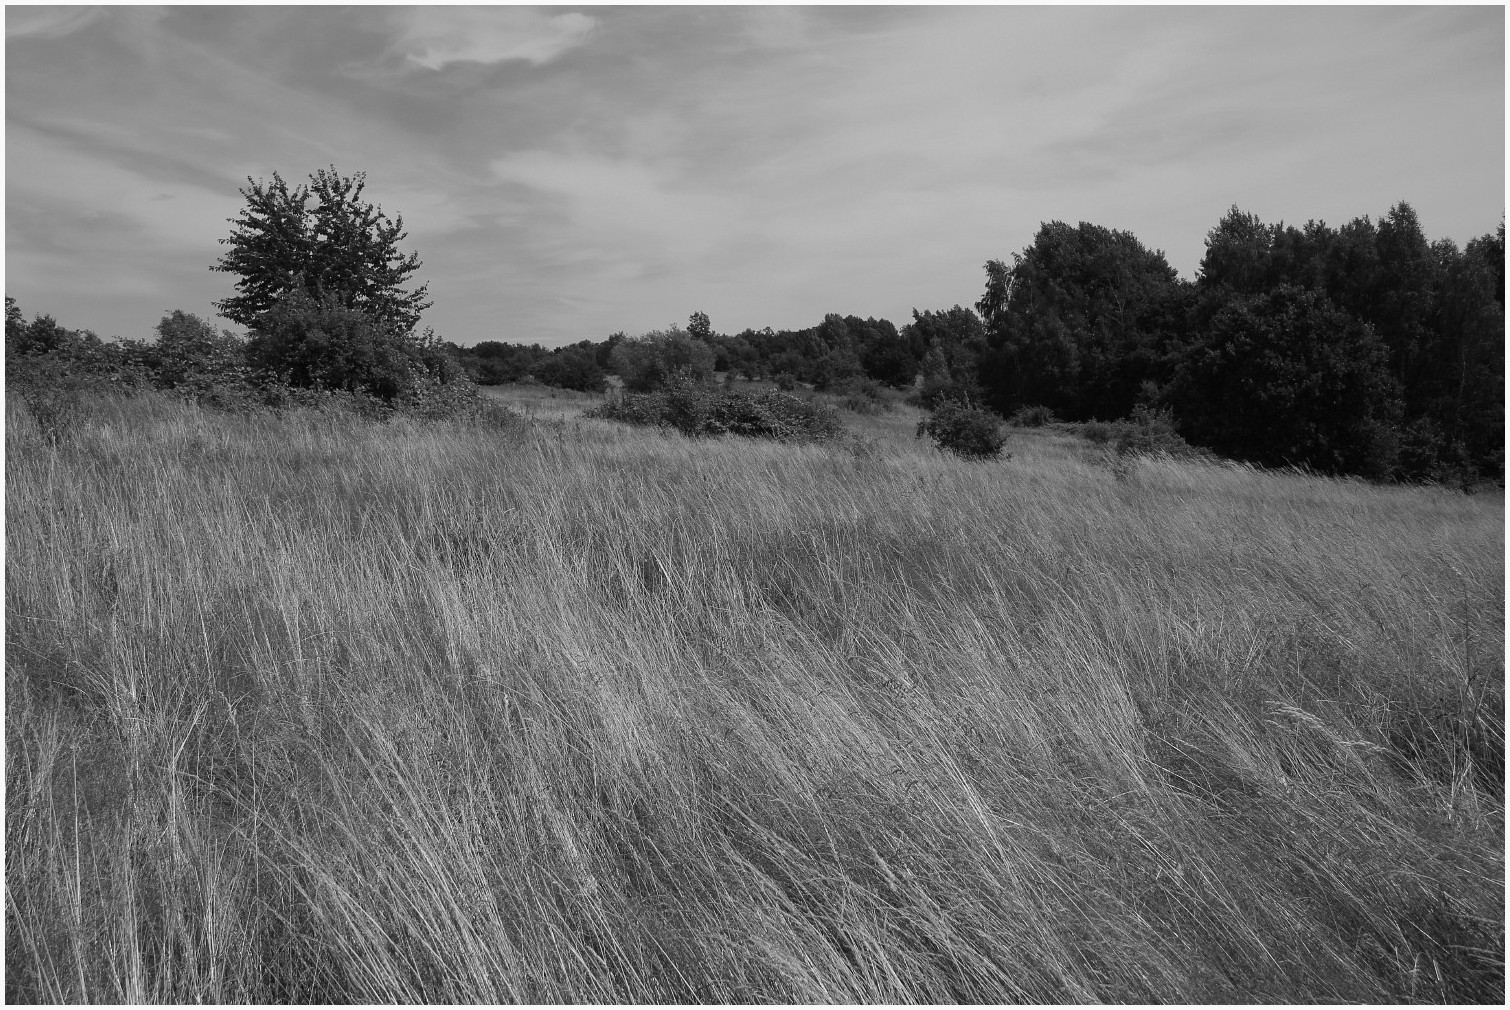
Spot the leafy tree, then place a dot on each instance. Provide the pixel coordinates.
(189, 349)
(993, 304)
(604, 350)
(646, 362)
(342, 248)
(42, 335)
(1238, 254)
(885, 355)
(15, 322)
(957, 334)
(573, 367)
(834, 358)
(699, 326)
(1081, 319)
(1288, 377)
(323, 343)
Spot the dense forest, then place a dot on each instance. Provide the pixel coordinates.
(1366, 349)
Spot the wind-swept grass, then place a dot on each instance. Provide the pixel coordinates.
(316, 709)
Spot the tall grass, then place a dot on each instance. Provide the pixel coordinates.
(315, 709)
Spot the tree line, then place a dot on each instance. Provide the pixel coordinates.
(1365, 349)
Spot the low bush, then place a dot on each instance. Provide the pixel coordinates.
(965, 430)
(1146, 432)
(698, 410)
(1035, 416)
(864, 396)
(936, 389)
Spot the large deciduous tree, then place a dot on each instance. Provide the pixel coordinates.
(340, 247)
(322, 288)
(1079, 321)
(1288, 377)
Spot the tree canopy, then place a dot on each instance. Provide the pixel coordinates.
(340, 247)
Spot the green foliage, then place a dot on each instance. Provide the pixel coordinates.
(1149, 431)
(864, 396)
(1288, 378)
(1082, 317)
(342, 248)
(648, 362)
(699, 326)
(571, 368)
(965, 430)
(936, 390)
(312, 342)
(1033, 416)
(696, 410)
(189, 351)
(1438, 312)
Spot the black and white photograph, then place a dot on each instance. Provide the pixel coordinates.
(713, 504)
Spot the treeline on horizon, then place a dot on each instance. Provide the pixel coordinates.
(1366, 349)
(1362, 350)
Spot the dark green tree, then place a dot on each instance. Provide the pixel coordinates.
(341, 247)
(1288, 377)
(574, 367)
(190, 349)
(649, 361)
(322, 343)
(1079, 322)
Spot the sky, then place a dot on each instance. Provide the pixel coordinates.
(568, 172)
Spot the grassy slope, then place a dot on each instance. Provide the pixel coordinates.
(315, 709)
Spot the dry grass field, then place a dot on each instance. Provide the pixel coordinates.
(317, 709)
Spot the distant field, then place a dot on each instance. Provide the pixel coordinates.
(314, 709)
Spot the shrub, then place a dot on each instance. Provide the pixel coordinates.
(1036, 416)
(937, 388)
(785, 381)
(1148, 431)
(697, 410)
(965, 430)
(1145, 432)
(572, 368)
(648, 362)
(864, 396)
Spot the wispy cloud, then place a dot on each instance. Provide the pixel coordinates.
(564, 175)
(48, 22)
(435, 36)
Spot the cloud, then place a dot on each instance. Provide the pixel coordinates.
(436, 36)
(48, 22)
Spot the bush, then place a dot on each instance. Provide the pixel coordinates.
(1036, 416)
(785, 381)
(697, 410)
(1427, 455)
(648, 362)
(311, 342)
(1145, 433)
(1148, 431)
(936, 389)
(965, 430)
(864, 396)
(572, 368)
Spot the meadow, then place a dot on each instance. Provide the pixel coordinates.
(311, 708)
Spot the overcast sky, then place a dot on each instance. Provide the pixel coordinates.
(565, 172)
